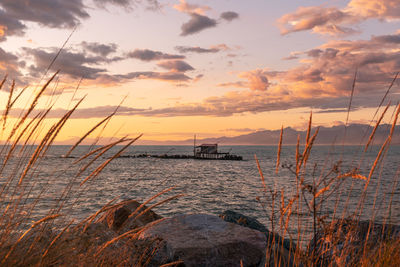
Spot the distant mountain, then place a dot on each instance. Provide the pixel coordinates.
(355, 134)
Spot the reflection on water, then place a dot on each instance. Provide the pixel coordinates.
(209, 186)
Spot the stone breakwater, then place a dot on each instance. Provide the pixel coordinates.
(131, 234)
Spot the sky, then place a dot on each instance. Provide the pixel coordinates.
(212, 68)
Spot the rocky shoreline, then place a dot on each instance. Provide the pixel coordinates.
(134, 235)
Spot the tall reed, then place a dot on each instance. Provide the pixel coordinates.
(53, 238)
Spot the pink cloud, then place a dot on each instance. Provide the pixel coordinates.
(185, 7)
(335, 21)
(381, 9)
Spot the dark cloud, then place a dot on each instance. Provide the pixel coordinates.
(149, 55)
(198, 77)
(10, 65)
(243, 130)
(239, 84)
(81, 113)
(151, 4)
(75, 64)
(197, 23)
(395, 38)
(291, 57)
(175, 65)
(124, 3)
(51, 13)
(200, 50)
(9, 26)
(165, 76)
(229, 15)
(100, 49)
(335, 110)
(196, 49)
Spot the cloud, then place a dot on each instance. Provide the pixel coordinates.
(335, 30)
(196, 49)
(257, 80)
(196, 24)
(229, 15)
(175, 65)
(128, 4)
(79, 64)
(329, 69)
(75, 64)
(334, 110)
(184, 7)
(200, 50)
(10, 65)
(164, 76)
(253, 102)
(81, 113)
(322, 82)
(51, 13)
(381, 9)
(387, 39)
(318, 19)
(105, 79)
(244, 130)
(9, 26)
(198, 77)
(238, 84)
(335, 21)
(100, 49)
(150, 55)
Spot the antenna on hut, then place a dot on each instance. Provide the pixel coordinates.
(194, 146)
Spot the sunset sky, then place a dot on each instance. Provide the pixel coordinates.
(213, 67)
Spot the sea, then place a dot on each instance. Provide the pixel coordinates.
(214, 186)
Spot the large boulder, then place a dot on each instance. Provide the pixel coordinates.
(124, 217)
(246, 221)
(343, 241)
(206, 240)
(32, 245)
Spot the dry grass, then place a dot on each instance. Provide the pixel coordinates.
(24, 242)
(338, 237)
(333, 235)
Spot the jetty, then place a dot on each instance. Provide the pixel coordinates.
(203, 152)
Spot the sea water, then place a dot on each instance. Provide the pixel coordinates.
(213, 186)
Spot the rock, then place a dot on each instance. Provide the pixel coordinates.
(246, 221)
(343, 242)
(235, 217)
(206, 240)
(118, 218)
(31, 246)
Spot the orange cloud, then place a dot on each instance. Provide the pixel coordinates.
(382, 9)
(257, 79)
(184, 7)
(335, 21)
(318, 19)
(2, 30)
